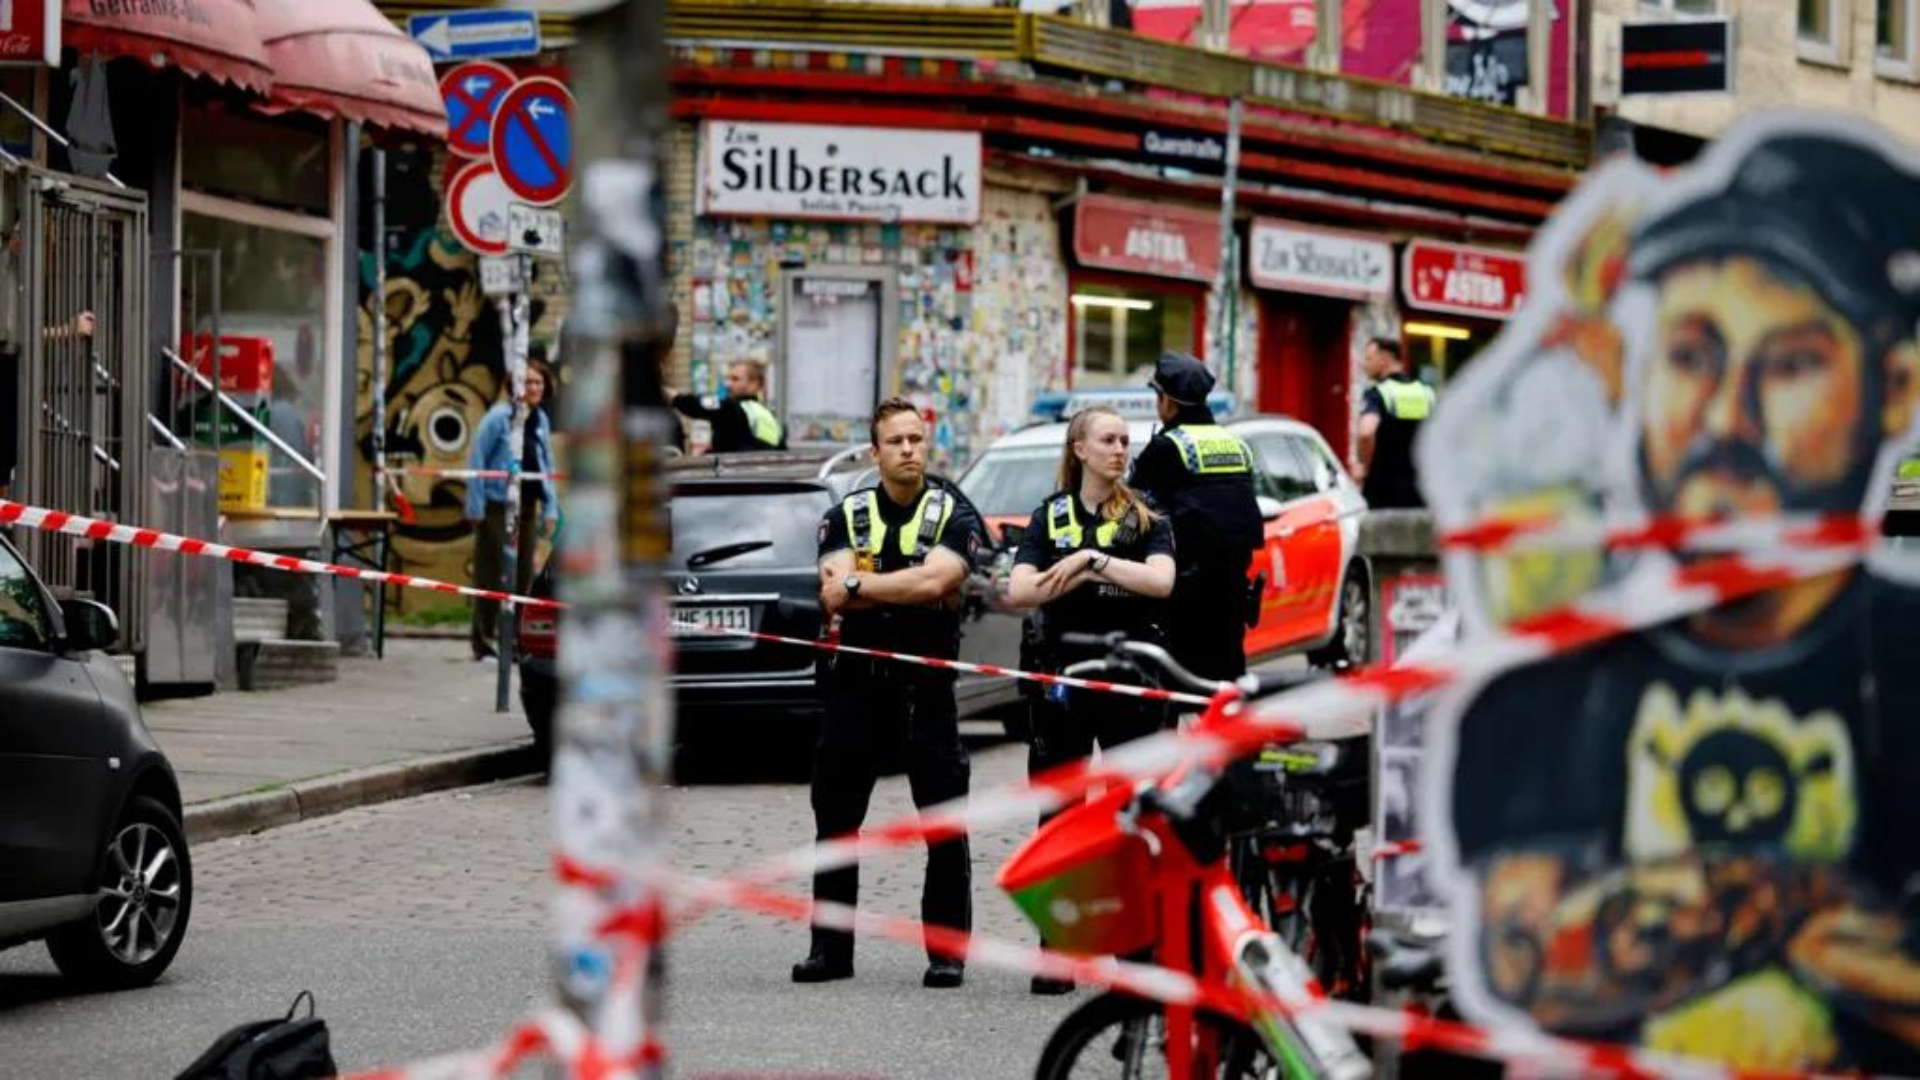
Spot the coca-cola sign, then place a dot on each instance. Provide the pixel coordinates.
(1485, 283)
(1147, 238)
(1323, 262)
(30, 32)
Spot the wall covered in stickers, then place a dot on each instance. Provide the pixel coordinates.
(444, 369)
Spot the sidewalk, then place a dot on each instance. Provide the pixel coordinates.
(420, 720)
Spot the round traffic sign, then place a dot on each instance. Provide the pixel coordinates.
(532, 143)
(471, 90)
(477, 202)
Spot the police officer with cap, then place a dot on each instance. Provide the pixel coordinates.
(1201, 475)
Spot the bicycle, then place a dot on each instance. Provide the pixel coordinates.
(1142, 872)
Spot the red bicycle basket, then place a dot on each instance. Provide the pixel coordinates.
(1085, 883)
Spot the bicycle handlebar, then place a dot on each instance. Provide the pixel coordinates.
(1117, 645)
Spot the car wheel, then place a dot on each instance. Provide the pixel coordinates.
(145, 891)
(539, 698)
(1353, 632)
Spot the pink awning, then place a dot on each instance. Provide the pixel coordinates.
(218, 39)
(343, 58)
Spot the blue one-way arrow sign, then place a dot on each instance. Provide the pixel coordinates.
(476, 34)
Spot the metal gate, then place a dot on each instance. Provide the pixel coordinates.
(77, 316)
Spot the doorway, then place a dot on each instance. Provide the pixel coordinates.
(837, 354)
(1306, 371)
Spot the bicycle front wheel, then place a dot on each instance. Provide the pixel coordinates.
(1119, 1035)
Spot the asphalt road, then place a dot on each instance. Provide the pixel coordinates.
(419, 926)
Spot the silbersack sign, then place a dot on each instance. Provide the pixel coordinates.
(849, 173)
(1323, 262)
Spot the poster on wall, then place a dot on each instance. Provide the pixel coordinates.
(1695, 836)
(1487, 52)
(832, 351)
(844, 173)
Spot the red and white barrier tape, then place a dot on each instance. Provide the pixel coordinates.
(1551, 532)
(34, 517)
(472, 474)
(1342, 707)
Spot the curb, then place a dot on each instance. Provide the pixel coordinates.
(302, 800)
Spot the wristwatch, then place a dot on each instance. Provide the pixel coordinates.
(852, 582)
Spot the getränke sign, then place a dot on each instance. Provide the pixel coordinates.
(1322, 262)
(846, 173)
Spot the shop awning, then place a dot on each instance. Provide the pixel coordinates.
(217, 39)
(343, 58)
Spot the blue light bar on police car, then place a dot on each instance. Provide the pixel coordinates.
(1057, 405)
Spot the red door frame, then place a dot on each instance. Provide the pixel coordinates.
(1078, 276)
(1318, 391)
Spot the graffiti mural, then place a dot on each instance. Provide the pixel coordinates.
(443, 371)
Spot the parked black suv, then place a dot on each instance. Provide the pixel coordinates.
(92, 856)
(744, 557)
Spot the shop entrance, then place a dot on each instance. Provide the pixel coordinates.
(1305, 367)
(836, 359)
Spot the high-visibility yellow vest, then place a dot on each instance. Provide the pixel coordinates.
(1406, 400)
(869, 533)
(1063, 527)
(761, 422)
(1211, 450)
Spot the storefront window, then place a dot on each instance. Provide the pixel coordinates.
(273, 285)
(1120, 332)
(1437, 351)
(280, 162)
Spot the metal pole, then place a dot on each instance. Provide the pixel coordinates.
(380, 479)
(513, 336)
(1228, 279)
(616, 714)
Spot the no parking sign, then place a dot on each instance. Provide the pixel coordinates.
(531, 143)
(471, 92)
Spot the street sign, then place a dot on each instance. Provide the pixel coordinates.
(471, 91)
(477, 202)
(1676, 57)
(532, 142)
(500, 275)
(476, 34)
(536, 231)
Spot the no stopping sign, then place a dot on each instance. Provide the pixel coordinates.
(532, 142)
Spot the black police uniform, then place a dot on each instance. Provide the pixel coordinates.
(881, 711)
(739, 424)
(1402, 403)
(1067, 722)
(1192, 471)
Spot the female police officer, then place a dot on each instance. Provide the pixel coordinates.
(1095, 559)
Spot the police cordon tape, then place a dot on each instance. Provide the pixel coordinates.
(1644, 602)
(13, 513)
(471, 474)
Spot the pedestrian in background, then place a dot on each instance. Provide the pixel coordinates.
(1094, 559)
(893, 562)
(493, 450)
(1201, 475)
(1391, 412)
(741, 421)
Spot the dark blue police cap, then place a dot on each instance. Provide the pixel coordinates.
(1182, 378)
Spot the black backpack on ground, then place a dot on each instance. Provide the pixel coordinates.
(283, 1049)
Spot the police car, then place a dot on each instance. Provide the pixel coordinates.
(1315, 594)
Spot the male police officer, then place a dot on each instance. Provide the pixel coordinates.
(741, 421)
(893, 560)
(1201, 475)
(1391, 413)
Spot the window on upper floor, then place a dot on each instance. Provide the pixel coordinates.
(1821, 24)
(1893, 38)
(1685, 8)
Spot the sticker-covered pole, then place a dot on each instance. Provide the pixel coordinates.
(610, 754)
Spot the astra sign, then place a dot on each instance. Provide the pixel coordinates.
(856, 173)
